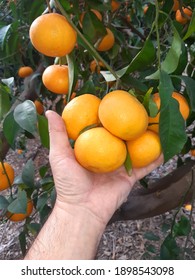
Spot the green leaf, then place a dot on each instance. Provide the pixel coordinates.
(87, 87)
(3, 203)
(72, 74)
(42, 201)
(28, 174)
(190, 88)
(191, 27)
(43, 170)
(10, 129)
(171, 124)
(143, 59)
(93, 28)
(182, 227)
(53, 197)
(9, 82)
(3, 34)
(13, 40)
(149, 104)
(34, 228)
(183, 60)
(22, 240)
(36, 9)
(128, 164)
(25, 115)
(65, 4)
(169, 65)
(169, 249)
(151, 248)
(4, 101)
(19, 205)
(43, 130)
(132, 82)
(151, 236)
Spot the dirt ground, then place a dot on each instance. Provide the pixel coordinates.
(122, 240)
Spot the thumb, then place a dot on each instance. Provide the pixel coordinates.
(59, 143)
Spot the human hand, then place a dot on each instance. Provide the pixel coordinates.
(100, 195)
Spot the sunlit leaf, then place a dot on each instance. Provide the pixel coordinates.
(3, 34)
(191, 27)
(19, 205)
(4, 100)
(25, 115)
(170, 63)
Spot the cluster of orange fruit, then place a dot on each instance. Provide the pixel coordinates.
(182, 16)
(105, 130)
(7, 175)
(58, 40)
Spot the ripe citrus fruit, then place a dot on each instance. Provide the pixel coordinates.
(107, 41)
(180, 18)
(145, 9)
(94, 67)
(115, 5)
(17, 217)
(192, 152)
(79, 113)
(52, 35)
(56, 79)
(144, 149)
(175, 5)
(188, 207)
(99, 151)
(128, 18)
(123, 115)
(9, 171)
(20, 151)
(183, 107)
(25, 71)
(96, 12)
(39, 107)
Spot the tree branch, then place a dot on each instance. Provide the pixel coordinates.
(162, 196)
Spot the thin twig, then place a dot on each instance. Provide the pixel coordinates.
(48, 5)
(89, 45)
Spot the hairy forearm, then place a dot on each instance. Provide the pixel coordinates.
(67, 236)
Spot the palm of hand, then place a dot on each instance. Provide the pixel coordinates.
(100, 194)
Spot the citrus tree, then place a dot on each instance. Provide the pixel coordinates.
(130, 66)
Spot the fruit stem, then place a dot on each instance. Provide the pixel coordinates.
(157, 34)
(89, 45)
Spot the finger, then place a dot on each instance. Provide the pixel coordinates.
(141, 172)
(59, 143)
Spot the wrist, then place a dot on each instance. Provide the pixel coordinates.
(82, 230)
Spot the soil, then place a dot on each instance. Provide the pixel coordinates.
(123, 240)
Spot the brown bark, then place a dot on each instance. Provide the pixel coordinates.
(164, 195)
